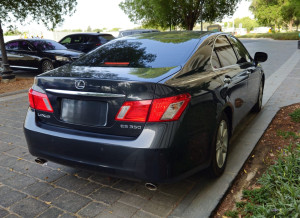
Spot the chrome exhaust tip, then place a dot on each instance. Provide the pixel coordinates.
(151, 186)
(40, 161)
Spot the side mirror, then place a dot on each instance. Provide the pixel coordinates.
(260, 57)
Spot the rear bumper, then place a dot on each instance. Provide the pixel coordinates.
(146, 157)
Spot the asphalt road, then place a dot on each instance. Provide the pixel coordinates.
(278, 51)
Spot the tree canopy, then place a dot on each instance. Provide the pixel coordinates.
(276, 12)
(49, 13)
(182, 13)
(246, 22)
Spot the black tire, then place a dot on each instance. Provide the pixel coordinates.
(258, 105)
(220, 147)
(46, 66)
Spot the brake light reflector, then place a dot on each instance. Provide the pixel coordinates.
(39, 101)
(134, 111)
(168, 109)
(117, 63)
(162, 109)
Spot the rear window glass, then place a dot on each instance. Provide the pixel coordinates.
(12, 45)
(45, 45)
(106, 38)
(140, 53)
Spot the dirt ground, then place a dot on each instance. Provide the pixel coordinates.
(264, 154)
(19, 84)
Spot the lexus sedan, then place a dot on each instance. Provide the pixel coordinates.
(85, 42)
(155, 107)
(38, 54)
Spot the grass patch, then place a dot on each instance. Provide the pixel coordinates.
(277, 36)
(287, 134)
(279, 194)
(231, 213)
(295, 116)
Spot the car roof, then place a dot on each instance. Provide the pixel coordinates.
(89, 34)
(138, 30)
(30, 39)
(172, 35)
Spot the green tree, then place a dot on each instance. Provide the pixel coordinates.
(246, 22)
(50, 13)
(12, 30)
(182, 13)
(89, 29)
(276, 12)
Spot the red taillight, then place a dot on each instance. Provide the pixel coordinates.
(162, 109)
(135, 111)
(39, 101)
(98, 44)
(168, 109)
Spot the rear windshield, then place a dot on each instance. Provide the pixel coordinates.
(45, 45)
(105, 38)
(140, 53)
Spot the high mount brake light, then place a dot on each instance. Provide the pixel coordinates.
(157, 110)
(116, 63)
(39, 101)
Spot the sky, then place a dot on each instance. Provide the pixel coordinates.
(107, 14)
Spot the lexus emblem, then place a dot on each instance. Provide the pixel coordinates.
(79, 84)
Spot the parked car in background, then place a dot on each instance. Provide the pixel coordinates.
(156, 107)
(135, 31)
(85, 42)
(38, 54)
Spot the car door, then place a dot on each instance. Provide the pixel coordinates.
(28, 55)
(77, 42)
(234, 78)
(12, 53)
(245, 61)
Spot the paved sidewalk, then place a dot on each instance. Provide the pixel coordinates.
(31, 190)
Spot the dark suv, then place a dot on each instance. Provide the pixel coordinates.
(85, 42)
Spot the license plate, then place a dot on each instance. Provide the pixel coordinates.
(89, 113)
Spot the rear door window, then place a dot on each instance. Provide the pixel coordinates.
(78, 39)
(25, 46)
(12, 45)
(66, 40)
(223, 52)
(241, 52)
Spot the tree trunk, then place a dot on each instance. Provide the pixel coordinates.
(291, 25)
(7, 72)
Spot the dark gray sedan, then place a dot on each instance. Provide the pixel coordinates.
(156, 107)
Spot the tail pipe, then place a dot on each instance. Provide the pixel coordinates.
(151, 186)
(40, 161)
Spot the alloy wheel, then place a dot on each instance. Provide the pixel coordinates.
(222, 144)
(46, 66)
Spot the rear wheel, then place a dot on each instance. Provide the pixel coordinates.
(258, 105)
(220, 149)
(46, 66)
